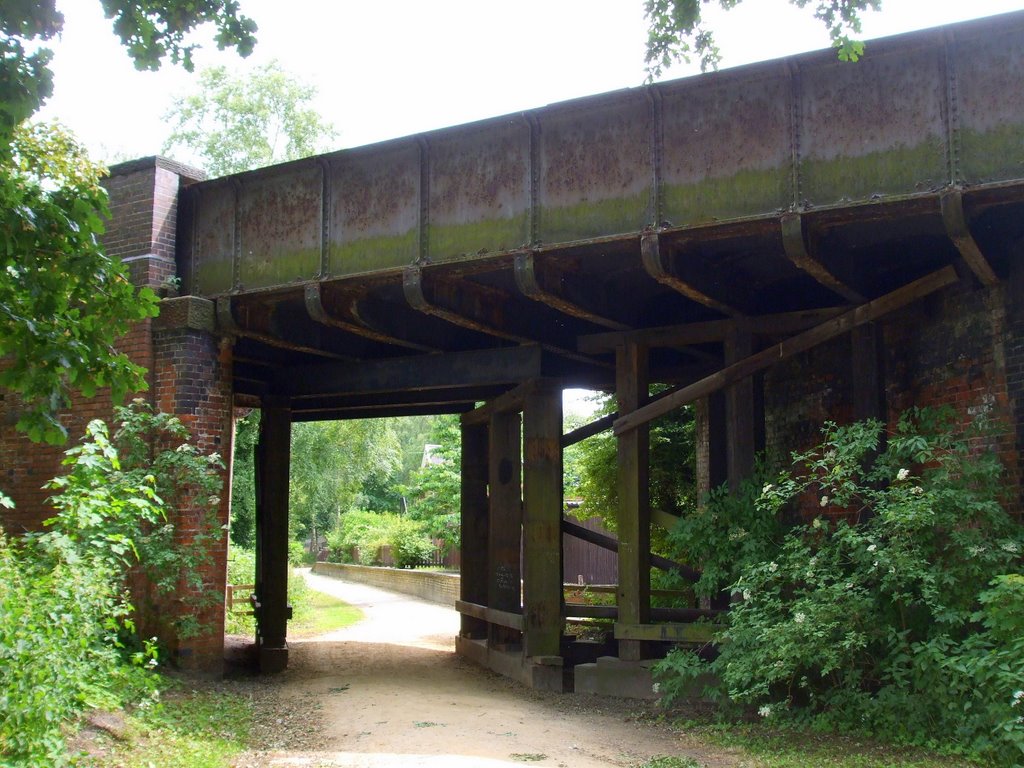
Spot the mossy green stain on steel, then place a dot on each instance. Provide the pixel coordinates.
(891, 173)
(996, 155)
(278, 268)
(744, 194)
(212, 276)
(371, 254)
(452, 242)
(600, 218)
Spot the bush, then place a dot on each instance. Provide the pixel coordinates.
(67, 640)
(59, 622)
(899, 610)
(368, 532)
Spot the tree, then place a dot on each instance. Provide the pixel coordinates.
(150, 31)
(63, 303)
(672, 474)
(436, 486)
(676, 30)
(330, 464)
(235, 123)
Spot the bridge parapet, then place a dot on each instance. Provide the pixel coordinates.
(920, 113)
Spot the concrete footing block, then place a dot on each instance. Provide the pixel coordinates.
(610, 676)
(273, 660)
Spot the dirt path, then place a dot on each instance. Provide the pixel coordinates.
(390, 691)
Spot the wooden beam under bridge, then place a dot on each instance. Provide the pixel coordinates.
(802, 342)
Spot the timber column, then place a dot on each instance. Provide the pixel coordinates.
(634, 519)
(542, 521)
(474, 521)
(273, 459)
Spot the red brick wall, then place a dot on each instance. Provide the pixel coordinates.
(962, 347)
(189, 375)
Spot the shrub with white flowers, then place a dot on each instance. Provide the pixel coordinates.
(903, 616)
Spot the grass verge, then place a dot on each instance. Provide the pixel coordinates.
(317, 613)
(314, 613)
(188, 729)
(769, 747)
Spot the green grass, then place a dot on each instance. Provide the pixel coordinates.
(317, 613)
(314, 613)
(771, 747)
(190, 729)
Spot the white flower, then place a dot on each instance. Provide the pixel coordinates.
(872, 547)
(903, 474)
(823, 502)
(765, 711)
(656, 688)
(816, 523)
(917, 490)
(975, 550)
(1017, 697)
(800, 617)
(773, 567)
(1010, 546)
(746, 594)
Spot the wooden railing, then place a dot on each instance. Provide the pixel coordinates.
(232, 599)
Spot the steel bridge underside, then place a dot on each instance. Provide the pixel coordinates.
(662, 234)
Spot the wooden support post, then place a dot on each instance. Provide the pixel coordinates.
(542, 518)
(473, 505)
(634, 595)
(504, 583)
(868, 380)
(273, 453)
(739, 411)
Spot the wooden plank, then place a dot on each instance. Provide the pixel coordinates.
(611, 589)
(739, 412)
(273, 455)
(634, 522)
(664, 519)
(868, 385)
(708, 332)
(595, 427)
(672, 633)
(504, 579)
(507, 365)
(513, 400)
(473, 517)
(586, 611)
(542, 516)
(786, 349)
(954, 217)
(607, 542)
(490, 615)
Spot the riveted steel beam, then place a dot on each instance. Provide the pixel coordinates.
(355, 325)
(529, 284)
(797, 252)
(653, 254)
(229, 325)
(955, 220)
(476, 308)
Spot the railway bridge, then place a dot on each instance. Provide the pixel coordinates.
(779, 244)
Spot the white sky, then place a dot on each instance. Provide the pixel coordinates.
(387, 69)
